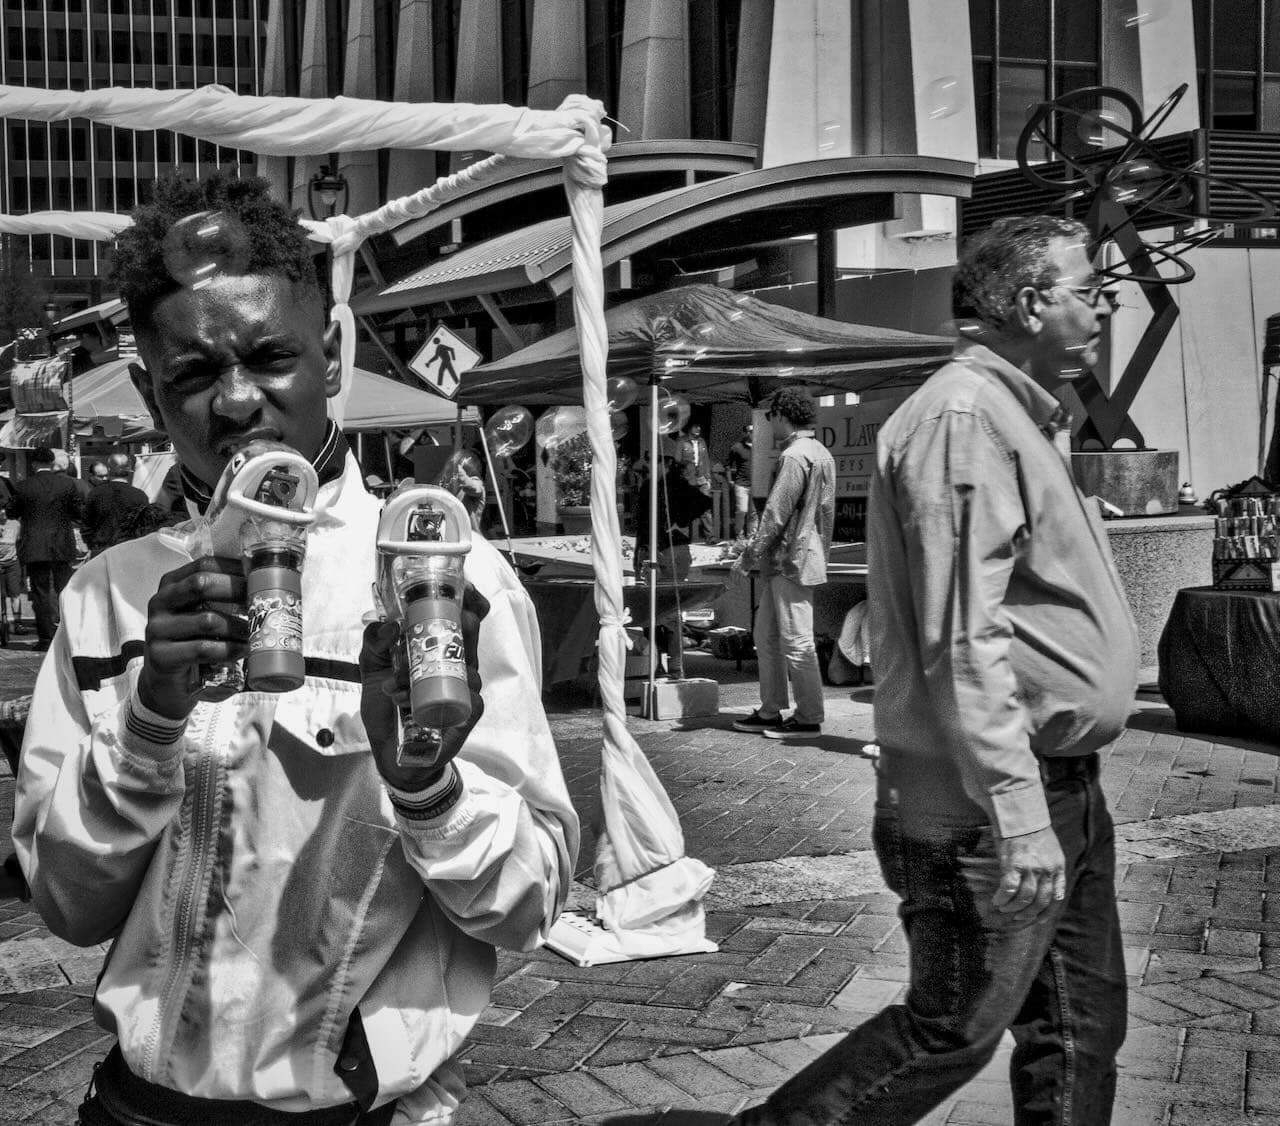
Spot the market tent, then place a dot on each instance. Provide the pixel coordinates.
(106, 397)
(721, 344)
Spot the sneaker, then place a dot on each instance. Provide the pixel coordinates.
(789, 727)
(757, 724)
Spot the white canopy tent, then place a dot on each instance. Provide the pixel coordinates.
(649, 892)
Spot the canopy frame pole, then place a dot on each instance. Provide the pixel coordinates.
(497, 495)
(652, 562)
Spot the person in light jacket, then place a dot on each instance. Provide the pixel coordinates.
(790, 547)
(302, 929)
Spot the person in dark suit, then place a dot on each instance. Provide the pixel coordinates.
(49, 505)
(111, 508)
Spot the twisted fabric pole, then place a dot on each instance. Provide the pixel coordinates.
(647, 886)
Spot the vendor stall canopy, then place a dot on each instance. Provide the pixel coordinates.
(722, 346)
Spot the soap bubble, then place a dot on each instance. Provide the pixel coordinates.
(621, 392)
(829, 137)
(557, 425)
(1136, 180)
(508, 430)
(619, 425)
(1094, 128)
(461, 463)
(945, 96)
(201, 247)
(1149, 13)
(673, 413)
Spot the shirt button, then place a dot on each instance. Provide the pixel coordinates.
(348, 1063)
(324, 737)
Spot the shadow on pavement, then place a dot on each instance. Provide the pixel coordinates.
(1160, 721)
(676, 1116)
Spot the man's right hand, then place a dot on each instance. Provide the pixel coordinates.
(1033, 874)
(195, 618)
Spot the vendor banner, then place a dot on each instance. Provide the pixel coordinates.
(37, 386)
(849, 432)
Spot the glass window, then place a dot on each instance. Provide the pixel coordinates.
(1235, 35)
(604, 50)
(982, 27)
(1271, 36)
(186, 149)
(160, 49)
(517, 26)
(1271, 105)
(146, 147)
(713, 59)
(1022, 88)
(164, 147)
(124, 144)
(39, 246)
(18, 142)
(18, 193)
(38, 142)
(1024, 29)
(1076, 27)
(983, 104)
(62, 192)
(1234, 103)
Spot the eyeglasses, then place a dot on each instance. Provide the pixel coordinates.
(1091, 294)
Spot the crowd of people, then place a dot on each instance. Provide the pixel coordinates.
(304, 894)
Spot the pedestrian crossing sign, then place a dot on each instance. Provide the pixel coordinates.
(442, 361)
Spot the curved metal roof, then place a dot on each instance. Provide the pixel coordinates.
(631, 158)
(761, 205)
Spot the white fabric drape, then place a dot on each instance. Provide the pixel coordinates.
(101, 225)
(311, 126)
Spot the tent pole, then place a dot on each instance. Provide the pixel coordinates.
(497, 495)
(654, 463)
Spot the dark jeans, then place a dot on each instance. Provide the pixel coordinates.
(1058, 982)
(47, 581)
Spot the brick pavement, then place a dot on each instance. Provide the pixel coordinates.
(562, 1043)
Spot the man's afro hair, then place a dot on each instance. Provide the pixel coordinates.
(795, 404)
(277, 244)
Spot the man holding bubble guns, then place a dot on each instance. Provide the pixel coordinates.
(303, 929)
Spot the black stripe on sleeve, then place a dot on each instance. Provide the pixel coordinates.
(92, 671)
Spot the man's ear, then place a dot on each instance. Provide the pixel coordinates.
(142, 383)
(1027, 303)
(332, 346)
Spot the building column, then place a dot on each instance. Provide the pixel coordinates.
(653, 94)
(275, 168)
(557, 52)
(751, 83)
(313, 82)
(479, 69)
(360, 167)
(1149, 50)
(411, 170)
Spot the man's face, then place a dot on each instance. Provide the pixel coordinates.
(241, 358)
(1069, 339)
(695, 431)
(98, 475)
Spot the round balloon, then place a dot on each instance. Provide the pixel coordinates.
(204, 246)
(508, 430)
(621, 392)
(673, 413)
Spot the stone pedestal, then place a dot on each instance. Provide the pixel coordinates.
(1137, 482)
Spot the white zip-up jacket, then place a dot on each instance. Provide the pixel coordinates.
(254, 877)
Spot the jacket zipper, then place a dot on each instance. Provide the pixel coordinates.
(203, 828)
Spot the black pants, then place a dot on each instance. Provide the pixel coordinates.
(47, 580)
(117, 1097)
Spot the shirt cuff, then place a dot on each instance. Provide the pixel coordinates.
(1019, 811)
(434, 802)
(150, 733)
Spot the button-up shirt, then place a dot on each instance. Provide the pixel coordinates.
(1000, 631)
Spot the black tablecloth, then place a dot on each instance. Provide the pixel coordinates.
(567, 614)
(1220, 662)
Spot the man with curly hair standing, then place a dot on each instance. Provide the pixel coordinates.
(303, 924)
(790, 548)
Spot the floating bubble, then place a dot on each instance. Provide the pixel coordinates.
(508, 430)
(829, 136)
(461, 463)
(621, 392)
(557, 425)
(1095, 127)
(673, 413)
(619, 425)
(1145, 14)
(945, 96)
(1135, 180)
(201, 247)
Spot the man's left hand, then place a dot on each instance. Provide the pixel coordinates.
(384, 674)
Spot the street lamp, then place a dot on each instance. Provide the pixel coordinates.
(51, 311)
(324, 190)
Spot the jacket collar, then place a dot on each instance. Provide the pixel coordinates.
(1045, 411)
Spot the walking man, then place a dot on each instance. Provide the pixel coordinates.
(49, 505)
(112, 507)
(738, 466)
(1005, 657)
(790, 549)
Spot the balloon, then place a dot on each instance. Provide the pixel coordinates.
(201, 247)
(945, 96)
(621, 392)
(508, 430)
(673, 413)
(619, 425)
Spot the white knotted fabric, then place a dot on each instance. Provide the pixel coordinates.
(99, 225)
(650, 892)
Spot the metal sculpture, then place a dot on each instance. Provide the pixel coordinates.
(1128, 185)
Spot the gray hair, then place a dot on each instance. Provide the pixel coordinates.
(1009, 255)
